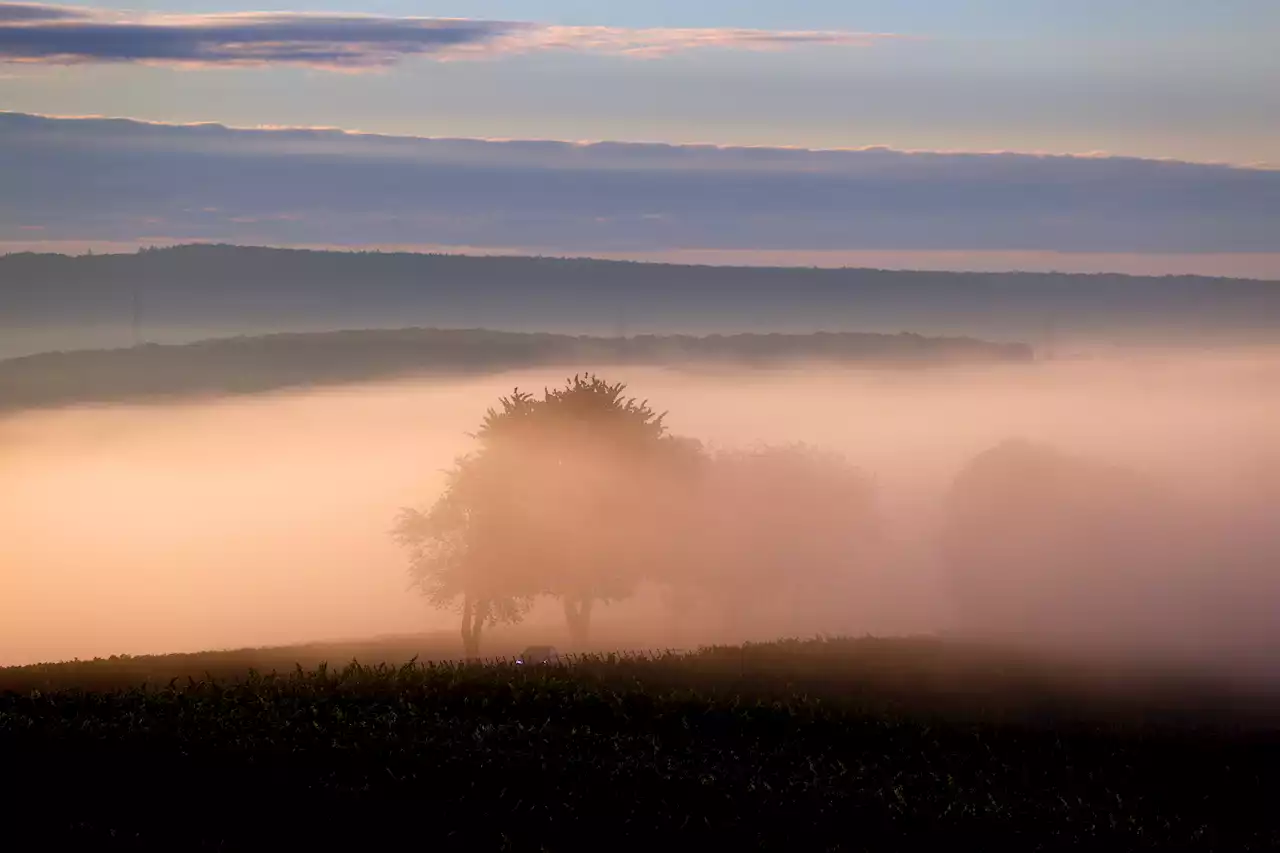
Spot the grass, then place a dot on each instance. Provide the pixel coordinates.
(797, 745)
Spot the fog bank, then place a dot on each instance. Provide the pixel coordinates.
(264, 520)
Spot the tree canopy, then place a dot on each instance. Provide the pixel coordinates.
(560, 498)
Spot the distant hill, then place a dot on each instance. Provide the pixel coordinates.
(290, 360)
(189, 293)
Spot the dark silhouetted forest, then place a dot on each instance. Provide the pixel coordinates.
(265, 363)
(189, 293)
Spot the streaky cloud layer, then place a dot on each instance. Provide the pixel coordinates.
(115, 179)
(48, 34)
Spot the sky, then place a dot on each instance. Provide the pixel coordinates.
(1149, 79)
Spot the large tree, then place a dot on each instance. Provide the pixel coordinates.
(604, 462)
(564, 496)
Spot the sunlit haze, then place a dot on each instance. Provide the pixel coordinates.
(251, 521)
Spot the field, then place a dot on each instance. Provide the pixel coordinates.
(823, 745)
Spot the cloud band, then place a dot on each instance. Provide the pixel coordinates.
(63, 35)
(120, 180)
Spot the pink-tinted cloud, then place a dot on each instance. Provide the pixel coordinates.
(63, 35)
(663, 41)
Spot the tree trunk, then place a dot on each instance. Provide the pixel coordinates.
(577, 613)
(474, 614)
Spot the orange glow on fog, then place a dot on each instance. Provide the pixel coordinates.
(256, 521)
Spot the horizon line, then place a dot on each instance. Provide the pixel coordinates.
(523, 256)
(356, 133)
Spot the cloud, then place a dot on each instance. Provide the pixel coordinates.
(662, 41)
(24, 12)
(111, 179)
(63, 35)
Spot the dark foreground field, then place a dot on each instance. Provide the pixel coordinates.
(823, 745)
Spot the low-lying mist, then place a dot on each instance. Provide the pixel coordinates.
(266, 520)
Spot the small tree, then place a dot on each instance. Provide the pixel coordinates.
(456, 554)
(1034, 537)
(773, 528)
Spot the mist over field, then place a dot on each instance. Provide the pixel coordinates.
(258, 520)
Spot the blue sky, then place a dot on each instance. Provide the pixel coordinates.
(1152, 78)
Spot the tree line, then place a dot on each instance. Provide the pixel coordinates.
(582, 494)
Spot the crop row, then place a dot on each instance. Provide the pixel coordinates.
(625, 752)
